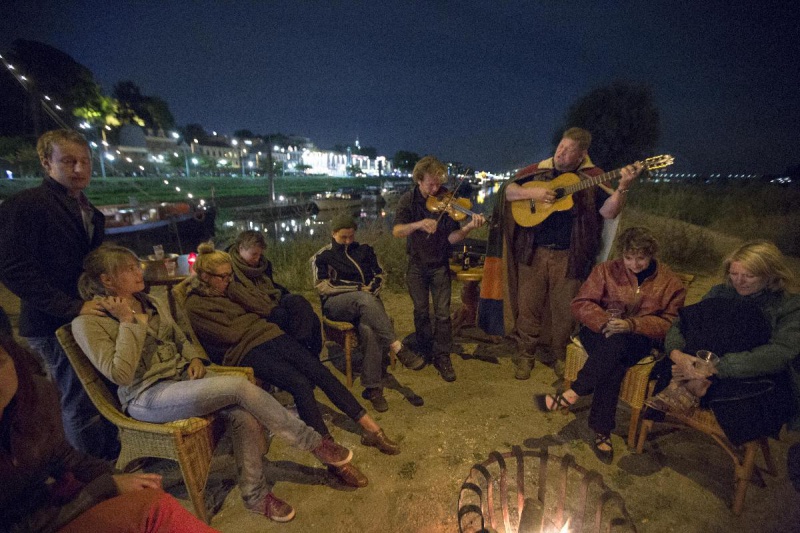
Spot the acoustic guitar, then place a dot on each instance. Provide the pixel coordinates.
(528, 213)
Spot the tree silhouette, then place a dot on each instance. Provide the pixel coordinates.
(623, 120)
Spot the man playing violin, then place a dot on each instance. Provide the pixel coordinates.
(548, 262)
(428, 240)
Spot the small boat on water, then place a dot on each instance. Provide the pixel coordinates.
(178, 226)
(341, 199)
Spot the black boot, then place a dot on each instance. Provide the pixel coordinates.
(445, 367)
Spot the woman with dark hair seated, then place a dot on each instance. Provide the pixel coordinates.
(625, 308)
(162, 376)
(233, 332)
(86, 495)
(252, 273)
(752, 323)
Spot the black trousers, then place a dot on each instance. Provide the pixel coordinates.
(297, 318)
(602, 375)
(285, 363)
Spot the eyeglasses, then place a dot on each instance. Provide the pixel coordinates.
(224, 277)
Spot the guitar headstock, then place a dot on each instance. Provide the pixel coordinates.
(658, 162)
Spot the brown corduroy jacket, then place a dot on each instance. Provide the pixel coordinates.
(651, 307)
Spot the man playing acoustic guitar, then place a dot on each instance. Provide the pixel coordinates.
(549, 261)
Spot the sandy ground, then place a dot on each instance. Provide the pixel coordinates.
(682, 483)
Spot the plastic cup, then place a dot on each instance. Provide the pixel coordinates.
(615, 310)
(158, 252)
(707, 357)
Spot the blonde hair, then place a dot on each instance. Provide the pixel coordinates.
(209, 258)
(580, 136)
(762, 259)
(107, 259)
(44, 146)
(429, 165)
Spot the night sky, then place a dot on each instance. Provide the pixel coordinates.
(486, 83)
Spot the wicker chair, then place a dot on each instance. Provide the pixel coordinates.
(190, 442)
(744, 456)
(636, 386)
(345, 335)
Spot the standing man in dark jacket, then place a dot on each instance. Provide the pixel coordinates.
(45, 232)
(428, 239)
(348, 277)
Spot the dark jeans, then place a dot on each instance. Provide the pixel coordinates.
(295, 316)
(427, 284)
(602, 375)
(84, 428)
(283, 362)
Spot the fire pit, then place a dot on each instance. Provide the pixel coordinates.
(532, 491)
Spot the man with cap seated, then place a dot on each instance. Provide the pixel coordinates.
(349, 278)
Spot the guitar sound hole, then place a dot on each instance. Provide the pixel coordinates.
(559, 193)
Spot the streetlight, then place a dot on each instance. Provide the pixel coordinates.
(176, 136)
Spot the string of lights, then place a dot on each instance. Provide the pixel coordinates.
(52, 109)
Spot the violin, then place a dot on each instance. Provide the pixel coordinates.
(457, 208)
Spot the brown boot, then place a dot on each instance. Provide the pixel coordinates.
(381, 441)
(349, 475)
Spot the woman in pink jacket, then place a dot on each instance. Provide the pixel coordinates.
(625, 308)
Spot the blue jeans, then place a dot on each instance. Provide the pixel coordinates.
(433, 339)
(84, 428)
(375, 331)
(247, 407)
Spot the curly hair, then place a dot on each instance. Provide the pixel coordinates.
(429, 165)
(637, 239)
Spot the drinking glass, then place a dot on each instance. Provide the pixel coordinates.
(170, 266)
(158, 252)
(615, 310)
(706, 360)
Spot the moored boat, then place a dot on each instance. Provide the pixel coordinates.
(177, 226)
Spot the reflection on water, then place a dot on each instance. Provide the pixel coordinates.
(368, 215)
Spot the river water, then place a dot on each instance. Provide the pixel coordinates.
(368, 214)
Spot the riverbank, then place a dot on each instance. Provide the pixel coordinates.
(683, 483)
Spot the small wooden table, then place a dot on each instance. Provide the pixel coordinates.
(155, 275)
(466, 315)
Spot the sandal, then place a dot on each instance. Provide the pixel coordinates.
(558, 403)
(605, 456)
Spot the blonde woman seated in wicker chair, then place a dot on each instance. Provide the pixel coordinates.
(162, 376)
(625, 308)
(752, 323)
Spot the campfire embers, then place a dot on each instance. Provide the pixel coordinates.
(542, 493)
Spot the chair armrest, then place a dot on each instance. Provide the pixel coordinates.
(234, 370)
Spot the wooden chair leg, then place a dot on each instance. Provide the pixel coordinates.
(348, 357)
(633, 427)
(647, 425)
(744, 473)
(768, 460)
